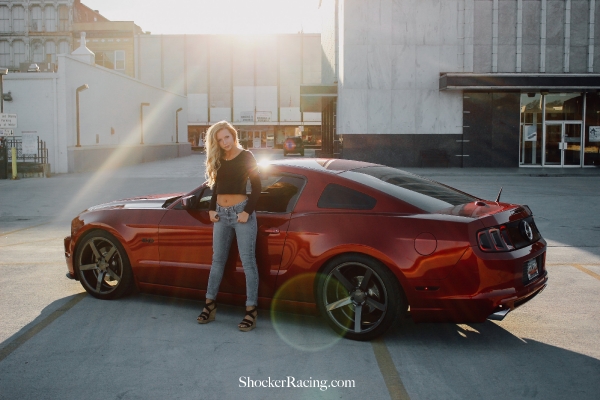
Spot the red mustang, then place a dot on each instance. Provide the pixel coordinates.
(361, 241)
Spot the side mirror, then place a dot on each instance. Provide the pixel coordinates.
(187, 203)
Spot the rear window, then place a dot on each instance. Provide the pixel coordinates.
(337, 196)
(427, 195)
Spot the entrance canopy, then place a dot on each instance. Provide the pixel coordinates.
(519, 81)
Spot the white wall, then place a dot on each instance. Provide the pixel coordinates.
(109, 109)
(34, 103)
(391, 55)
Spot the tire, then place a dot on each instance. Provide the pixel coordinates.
(341, 294)
(102, 266)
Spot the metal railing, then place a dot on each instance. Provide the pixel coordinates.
(41, 157)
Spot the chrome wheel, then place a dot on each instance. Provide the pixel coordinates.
(359, 297)
(103, 266)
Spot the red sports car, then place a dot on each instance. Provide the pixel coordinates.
(361, 242)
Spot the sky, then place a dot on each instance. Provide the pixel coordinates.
(214, 16)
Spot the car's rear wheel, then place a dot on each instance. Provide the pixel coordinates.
(359, 297)
(103, 266)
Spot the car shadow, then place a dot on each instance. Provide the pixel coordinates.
(484, 360)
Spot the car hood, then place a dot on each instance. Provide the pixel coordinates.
(142, 202)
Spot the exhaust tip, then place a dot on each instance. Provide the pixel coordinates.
(499, 315)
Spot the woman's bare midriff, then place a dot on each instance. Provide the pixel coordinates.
(228, 200)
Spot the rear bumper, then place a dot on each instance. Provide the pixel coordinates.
(483, 286)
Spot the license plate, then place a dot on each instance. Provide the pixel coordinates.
(532, 269)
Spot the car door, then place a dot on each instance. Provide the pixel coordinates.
(185, 240)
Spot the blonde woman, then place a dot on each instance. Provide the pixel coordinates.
(228, 168)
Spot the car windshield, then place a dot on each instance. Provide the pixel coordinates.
(427, 195)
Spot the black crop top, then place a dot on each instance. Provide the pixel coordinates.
(232, 176)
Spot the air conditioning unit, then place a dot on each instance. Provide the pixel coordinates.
(31, 66)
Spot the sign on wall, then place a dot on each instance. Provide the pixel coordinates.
(30, 142)
(8, 121)
(263, 116)
(594, 133)
(247, 116)
(7, 132)
(530, 133)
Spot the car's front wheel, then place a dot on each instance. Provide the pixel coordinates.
(103, 266)
(359, 297)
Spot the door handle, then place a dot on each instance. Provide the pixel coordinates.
(270, 231)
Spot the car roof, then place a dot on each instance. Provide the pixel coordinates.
(331, 165)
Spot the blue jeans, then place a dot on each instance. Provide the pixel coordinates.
(246, 239)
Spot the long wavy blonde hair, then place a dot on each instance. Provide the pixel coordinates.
(214, 152)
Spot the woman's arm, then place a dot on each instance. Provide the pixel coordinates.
(255, 184)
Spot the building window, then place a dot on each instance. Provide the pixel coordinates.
(63, 47)
(531, 129)
(37, 52)
(120, 60)
(50, 19)
(50, 51)
(36, 19)
(18, 14)
(591, 131)
(105, 59)
(4, 19)
(19, 52)
(4, 54)
(63, 19)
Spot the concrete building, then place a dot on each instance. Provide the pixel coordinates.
(36, 31)
(253, 81)
(472, 83)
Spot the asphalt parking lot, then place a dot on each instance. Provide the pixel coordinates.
(56, 342)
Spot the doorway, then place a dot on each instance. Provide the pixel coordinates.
(562, 144)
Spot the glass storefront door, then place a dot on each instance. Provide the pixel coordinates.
(562, 144)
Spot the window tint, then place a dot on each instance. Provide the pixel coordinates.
(420, 192)
(337, 196)
(279, 192)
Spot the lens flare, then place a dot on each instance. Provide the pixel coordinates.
(302, 332)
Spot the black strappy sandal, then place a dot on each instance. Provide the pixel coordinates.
(248, 324)
(209, 315)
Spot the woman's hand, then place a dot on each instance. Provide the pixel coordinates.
(214, 217)
(243, 217)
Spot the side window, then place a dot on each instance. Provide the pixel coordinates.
(279, 192)
(337, 196)
(201, 200)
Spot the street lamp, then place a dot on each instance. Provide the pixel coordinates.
(79, 89)
(142, 121)
(3, 71)
(177, 125)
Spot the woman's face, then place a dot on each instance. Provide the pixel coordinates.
(225, 139)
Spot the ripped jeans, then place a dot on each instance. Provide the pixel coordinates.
(246, 239)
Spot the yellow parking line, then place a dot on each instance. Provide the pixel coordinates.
(587, 271)
(388, 370)
(34, 330)
(24, 229)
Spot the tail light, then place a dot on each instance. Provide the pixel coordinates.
(495, 239)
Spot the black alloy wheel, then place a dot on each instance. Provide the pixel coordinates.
(359, 297)
(103, 266)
